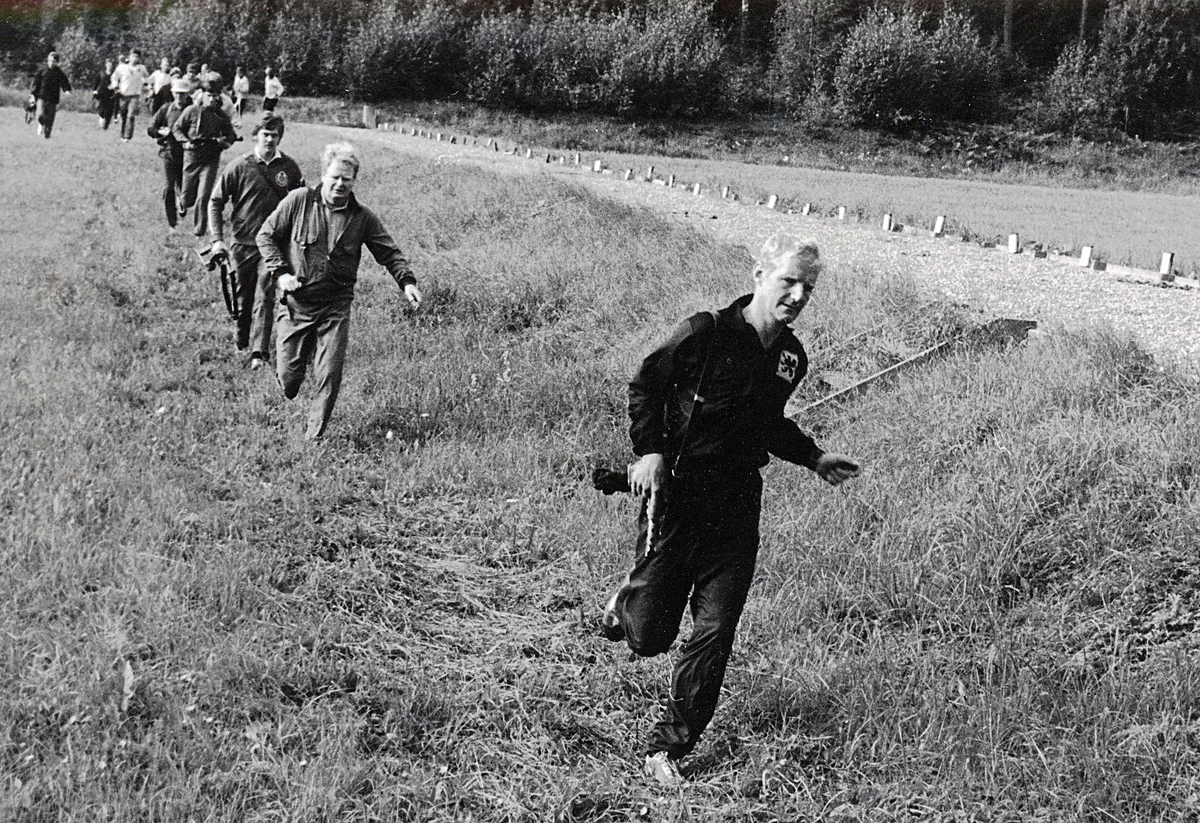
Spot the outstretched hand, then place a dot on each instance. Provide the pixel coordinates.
(413, 295)
(836, 468)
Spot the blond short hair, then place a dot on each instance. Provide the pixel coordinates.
(339, 153)
(782, 248)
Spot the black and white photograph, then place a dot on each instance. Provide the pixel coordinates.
(536, 411)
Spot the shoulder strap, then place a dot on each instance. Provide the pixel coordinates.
(713, 321)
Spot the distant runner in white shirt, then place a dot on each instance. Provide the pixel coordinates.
(241, 90)
(272, 91)
(129, 80)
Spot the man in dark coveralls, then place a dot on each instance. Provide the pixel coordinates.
(706, 409)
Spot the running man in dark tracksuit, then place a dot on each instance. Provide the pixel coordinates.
(313, 244)
(170, 149)
(48, 84)
(706, 410)
(205, 131)
(254, 184)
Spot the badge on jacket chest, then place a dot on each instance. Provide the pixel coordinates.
(281, 179)
(788, 363)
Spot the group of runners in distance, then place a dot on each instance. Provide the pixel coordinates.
(706, 406)
(124, 83)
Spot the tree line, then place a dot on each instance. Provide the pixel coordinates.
(1085, 67)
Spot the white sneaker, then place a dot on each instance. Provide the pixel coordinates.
(663, 769)
(41, 130)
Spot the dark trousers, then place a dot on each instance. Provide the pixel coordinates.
(46, 113)
(172, 184)
(256, 301)
(316, 332)
(705, 547)
(199, 177)
(127, 105)
(269, 103)
(106, 107)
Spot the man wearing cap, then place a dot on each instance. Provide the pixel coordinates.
(313, 244)
(129, 79)
(170, 149)
(253, 184)
(706, 409)
(48, 84)
(205, 131)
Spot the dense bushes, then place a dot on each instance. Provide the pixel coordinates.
(1142, 75)
(892, 72)
(827, 61)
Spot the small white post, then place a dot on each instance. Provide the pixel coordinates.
(628, 174)
(412, 131)
(724, 192)
(841, 212)
(649, 174)
(696, 189)
(1166, 266)
(1014, 243)
(939, 226)
(369, 116)
(671, 181)
(887, 222)
(576, 158)
(772, 201)
(1085, 257)
(806, 209)
(597, 166)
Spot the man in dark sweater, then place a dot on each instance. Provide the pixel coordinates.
(205, 131)
(170, 149)
(254, 184)
(48, 84)
(313, 244)
(706, 410)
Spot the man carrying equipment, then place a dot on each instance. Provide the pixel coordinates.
(170, 149)
(205, 131)
(706, 409)
(313, 244)
(48, 83)
(254, 185)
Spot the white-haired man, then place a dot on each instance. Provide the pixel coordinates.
(706, 410)
(312, 244)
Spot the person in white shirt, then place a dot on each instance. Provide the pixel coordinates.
(272, 91)
(241, 90)
(158, 91)
(129, 79)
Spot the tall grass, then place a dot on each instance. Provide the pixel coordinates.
(204, 618)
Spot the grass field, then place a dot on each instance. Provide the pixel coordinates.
(204, 618)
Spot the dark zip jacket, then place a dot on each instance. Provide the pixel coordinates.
(740, 419)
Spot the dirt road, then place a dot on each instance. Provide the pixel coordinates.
(1056, 293)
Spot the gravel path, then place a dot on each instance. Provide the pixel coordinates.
(1057, 293)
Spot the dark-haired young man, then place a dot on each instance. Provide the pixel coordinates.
(706, 410)
(253, 184)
